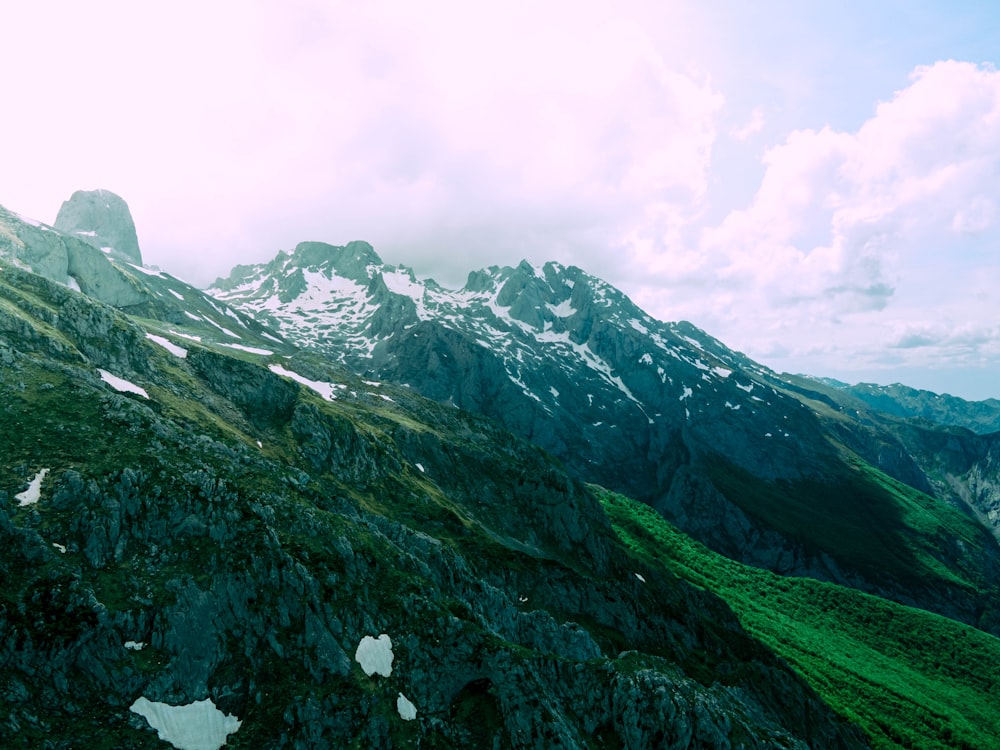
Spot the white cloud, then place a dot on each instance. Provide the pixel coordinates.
(851, 232)
(751, 127)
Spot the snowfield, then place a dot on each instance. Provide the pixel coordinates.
(326, 390)
(122, 385)
(375, 655)
(196, 726)
(30, 496)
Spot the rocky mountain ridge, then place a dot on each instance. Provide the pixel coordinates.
(199, 516)
(229, 533)
(982, 417)
(660, 411)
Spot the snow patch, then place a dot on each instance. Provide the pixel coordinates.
(563, 310)
(177, 351)
(421, 467)
(326, 390)
(722, 372)
(686, 393)
(196, 726)
(250, 349)
(135, 645)
(122, 385)
(375, 655)
(407, 711)
(141, 269)
(639, 327)
(178, 295)
(60, 547)
(747, 388)
(30, 496)
(640, 577)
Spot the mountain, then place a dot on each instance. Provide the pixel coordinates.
(211, 535)
(269, 551)
(102, 220)
(982, 417)
(780, 472)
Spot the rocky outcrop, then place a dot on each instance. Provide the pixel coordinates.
(68, 260)
(102, 220)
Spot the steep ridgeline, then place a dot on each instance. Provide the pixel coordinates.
(173, 307)
(981, 417)
(204, 545)
(554, 354)
(742, 458)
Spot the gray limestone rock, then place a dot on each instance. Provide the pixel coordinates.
(101, 219)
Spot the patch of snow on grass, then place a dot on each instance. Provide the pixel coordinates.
(747, 388)
(187, 336)
(326, 390)
(407, 711)
(122, 385)
(196, 726)
(73, 284)
(250, 349)
(639, 576)
(722, 372)
(178, 295)
(135, 645)
(646, 359)
(30, 496)
(375, 655)
(231, 334)
(729, 405)
(60, 547)
(177, 351)
(686, 393)
(421, 467)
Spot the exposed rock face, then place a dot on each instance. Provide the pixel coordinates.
(231, 540)
(102, 220)
(659, 411)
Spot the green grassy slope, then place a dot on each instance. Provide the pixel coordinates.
(897, 537)
(908, 677)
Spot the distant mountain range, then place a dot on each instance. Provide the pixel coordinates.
(328, 504)
(982, 417)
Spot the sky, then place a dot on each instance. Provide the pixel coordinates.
(816, 184)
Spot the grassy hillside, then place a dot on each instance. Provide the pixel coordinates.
(908, 677)
(899, 538)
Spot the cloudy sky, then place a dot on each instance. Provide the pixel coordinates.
(816, 183)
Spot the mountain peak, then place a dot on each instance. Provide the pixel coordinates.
(353, 260)
(101, 219)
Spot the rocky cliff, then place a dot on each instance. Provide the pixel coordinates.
(102, 220)
(734, 453)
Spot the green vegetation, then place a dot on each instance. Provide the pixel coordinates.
(908, 677)
(868, 522)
